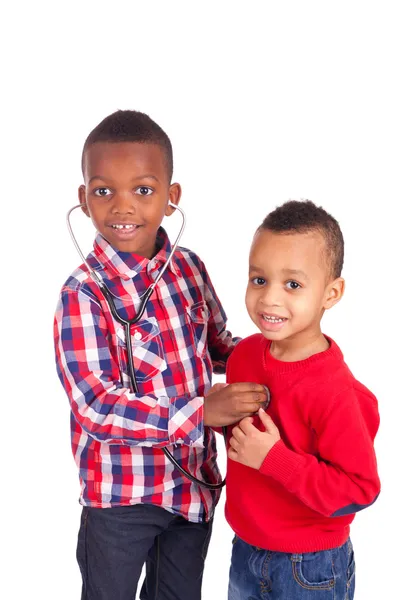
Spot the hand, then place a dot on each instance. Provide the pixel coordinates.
(248, 445)
(226, 404)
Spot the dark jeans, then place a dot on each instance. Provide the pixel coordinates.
(258, 574)
(115, 543)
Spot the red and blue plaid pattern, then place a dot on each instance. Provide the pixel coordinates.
(117, 435)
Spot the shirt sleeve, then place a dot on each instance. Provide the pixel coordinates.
(103, 407)
(343, 478)
(219, 339)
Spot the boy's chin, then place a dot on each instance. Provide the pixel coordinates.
(142, 247)
(274, 336)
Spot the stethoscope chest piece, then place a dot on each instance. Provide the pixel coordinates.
(267, 402)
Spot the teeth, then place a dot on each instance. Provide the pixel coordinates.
(273, 319)
(122, 226)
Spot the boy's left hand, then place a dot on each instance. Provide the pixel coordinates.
(250, 446)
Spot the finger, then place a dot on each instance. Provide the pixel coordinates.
(217, 387)
(267, 421)
(242, 424)
(246, 425)
(234, 443)
(250, 407)
(233, 455)
(248, 387)
(244, 415)
(255, 397)
(238, 433)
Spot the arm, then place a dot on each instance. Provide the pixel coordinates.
(220, 340)
(343, 479)
(104, 409)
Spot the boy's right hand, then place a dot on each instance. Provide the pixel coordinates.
(226, 404)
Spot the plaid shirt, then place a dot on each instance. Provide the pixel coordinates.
(117, 436)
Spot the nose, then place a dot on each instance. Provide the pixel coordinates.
(271, 295)
(123, 203)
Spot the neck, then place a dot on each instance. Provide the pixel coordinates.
(299, 347)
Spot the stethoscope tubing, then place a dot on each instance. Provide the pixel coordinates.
(126, 323)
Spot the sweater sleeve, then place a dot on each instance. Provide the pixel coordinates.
(343, 478)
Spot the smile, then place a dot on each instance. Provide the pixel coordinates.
(271, 319)
(124, 226)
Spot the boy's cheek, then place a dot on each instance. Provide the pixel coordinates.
(250, 302)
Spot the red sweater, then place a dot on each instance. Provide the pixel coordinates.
(323, 469)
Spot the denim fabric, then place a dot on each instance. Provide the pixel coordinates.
(258, 574)
(115, 543)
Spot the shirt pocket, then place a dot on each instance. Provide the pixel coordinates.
(198, 319)
(147, 350)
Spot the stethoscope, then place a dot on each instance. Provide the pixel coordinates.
(128, 323)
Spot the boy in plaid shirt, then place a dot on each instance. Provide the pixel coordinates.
(137, 508)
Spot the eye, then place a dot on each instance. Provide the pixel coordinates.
(143, 190)
(292, 285)
(258, 281)
(102, 192)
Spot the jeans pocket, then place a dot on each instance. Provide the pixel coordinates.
(313, 570)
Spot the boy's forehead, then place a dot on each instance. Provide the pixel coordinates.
(292, 250)
(111, 158)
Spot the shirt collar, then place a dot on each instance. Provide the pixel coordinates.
(127, 265)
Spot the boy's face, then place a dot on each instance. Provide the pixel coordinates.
(126, 193)
(289, 285)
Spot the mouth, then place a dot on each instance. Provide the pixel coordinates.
(272, 318)
(124, 231)
(124, 226)
(269, 322)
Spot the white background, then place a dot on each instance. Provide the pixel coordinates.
(263, 101)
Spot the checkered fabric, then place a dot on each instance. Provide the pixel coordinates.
(116, 435)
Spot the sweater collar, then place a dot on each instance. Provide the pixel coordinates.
(275, 365)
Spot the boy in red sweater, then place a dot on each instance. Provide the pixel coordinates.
(297, 475)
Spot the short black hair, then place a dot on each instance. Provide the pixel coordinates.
(130, 126)
(303, 217)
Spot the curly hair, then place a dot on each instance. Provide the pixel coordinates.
(303, 217)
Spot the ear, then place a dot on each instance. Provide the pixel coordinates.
(82, 199)
(174, 196)
(334, 292)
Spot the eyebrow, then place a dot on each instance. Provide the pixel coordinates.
(287, 272)
(295, 272)
(147, 176)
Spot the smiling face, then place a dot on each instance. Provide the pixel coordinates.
(290, 285)
(126, 193)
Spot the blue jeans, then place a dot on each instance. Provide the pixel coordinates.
(258, 574)
(115, 543)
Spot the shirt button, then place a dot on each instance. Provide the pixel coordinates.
(138, 335)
